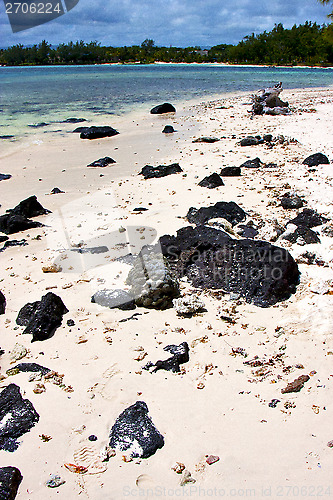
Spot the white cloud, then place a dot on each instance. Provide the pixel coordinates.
(172, 22)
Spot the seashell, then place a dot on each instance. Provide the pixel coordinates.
(144, 481)
(77, 469)
(186, 478)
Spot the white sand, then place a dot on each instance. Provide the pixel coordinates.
(262, 450)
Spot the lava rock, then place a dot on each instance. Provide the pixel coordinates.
(17, 219)
(291, 202)
(273, 403)
(260, 272)
(211, 181)
(135, 432)
(255, 163)
(179, 356)
(17, 415)
(30, 207)
(189, 241)
(78, 130)
(246, 231)
(2, 303)
(14, 243)
(163, 108)
(227, 210)
(114, 299)
(300, 234)
(10, 224)
(316, 159)
(56, 191)
(230, 171)
(28, 367)
(250, 141)
(152, 283)
(74, 120)
(4, 177)
(188, 305)
(102, 162)
(150, 172)
(296, 385)
(38, 125)
(43, 317)
(208, 140)
(10, 480)
(168, 129)
(97, 132)
(308, 218)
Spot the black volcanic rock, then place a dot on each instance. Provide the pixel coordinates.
(302, 234)
(316, 159)
(4, 177)
(2, 303)
(43, 317)
(102, 162)
(17, 415)
(308, 218)
(134, 431)
(114, 299)
(208, 140)
(163, 108)
(74, 120)
(17, 219)
(230, 171)
(30, 207)
(97, 132)
(211, 181)
(291, 202)
(28, 367)
(227, 210)
(168, 129)
(188, 240)
(10, 480)
(150, 172)
(255, 163)
(180, 355)
(250, 141)
(13, 243)
(261, 273)
(56, 191)
(10, 224)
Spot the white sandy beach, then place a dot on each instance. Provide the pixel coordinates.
(216, 405)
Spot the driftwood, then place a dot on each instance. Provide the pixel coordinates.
(268, 102)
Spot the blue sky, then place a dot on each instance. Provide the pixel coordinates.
(168, 22)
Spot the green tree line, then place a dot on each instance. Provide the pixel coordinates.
(306, 44)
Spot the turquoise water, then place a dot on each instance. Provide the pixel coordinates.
(30, 95)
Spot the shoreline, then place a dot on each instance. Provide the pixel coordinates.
(258, 446)
(296, 66)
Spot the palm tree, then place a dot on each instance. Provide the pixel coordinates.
(325, 2)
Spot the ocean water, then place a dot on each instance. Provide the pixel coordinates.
(50, 94)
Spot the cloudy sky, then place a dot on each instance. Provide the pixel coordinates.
(168, 22)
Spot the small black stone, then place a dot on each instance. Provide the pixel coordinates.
(92, 437)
